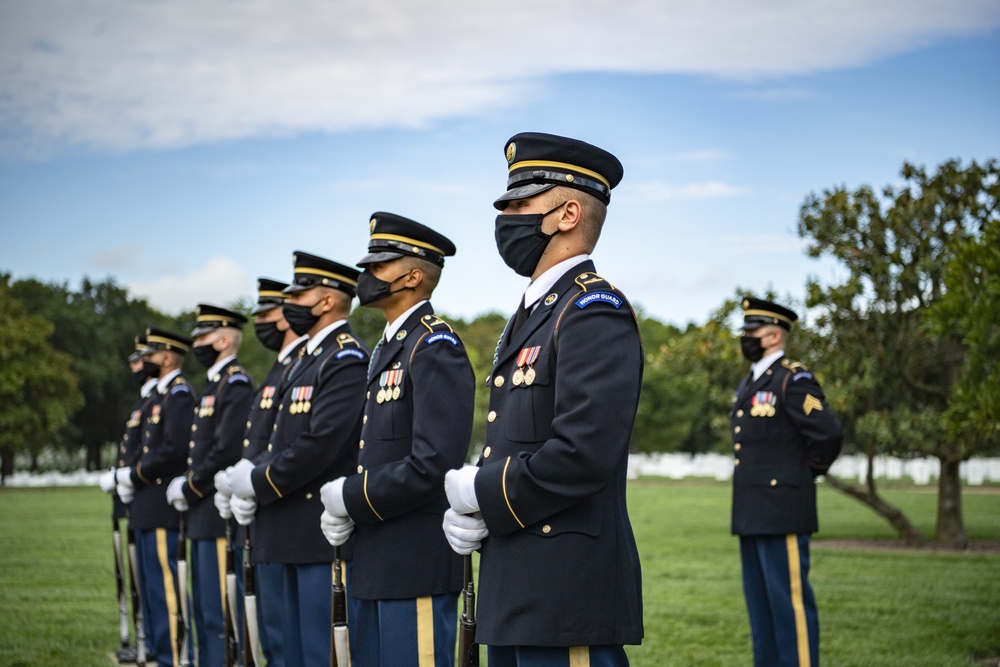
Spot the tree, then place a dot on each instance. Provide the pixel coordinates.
(896, 377)
(38, 388)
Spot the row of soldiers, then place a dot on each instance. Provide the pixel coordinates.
(345, 469)
(348, 455)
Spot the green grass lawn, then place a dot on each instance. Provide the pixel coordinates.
(878, 607)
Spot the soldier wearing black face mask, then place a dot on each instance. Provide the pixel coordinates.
(784, 435)
(216, 439)
(559, 578)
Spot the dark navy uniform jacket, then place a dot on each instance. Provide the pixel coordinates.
(560, 565)
(314, 441)
(164, 445)
(128, 450)
(216, 443)
(408, 442)
(784, 435)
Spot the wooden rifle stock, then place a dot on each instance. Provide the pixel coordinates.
(339, 646)
(250, 605)
(468, 649)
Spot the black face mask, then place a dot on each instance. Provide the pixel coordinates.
(371, 289)
(269, 335)
(300, 318)
(150, 369)
(521, 241)
(140, 376)
(751, 348)
(205, 354)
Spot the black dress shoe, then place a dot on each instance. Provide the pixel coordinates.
(126, 655)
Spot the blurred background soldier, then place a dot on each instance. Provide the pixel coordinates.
(784, 436)
(144, 374)
(165, 434)
(216, 443)
(417, 424)
(313, 440)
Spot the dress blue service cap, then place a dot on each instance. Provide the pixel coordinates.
(315, 271)
(210, 318)
(161, 339)
(270, 295)
(140, 348)
(758, 312)
(538, 162)
(393, 236)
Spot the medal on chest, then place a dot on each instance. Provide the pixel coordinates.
(525, 373)
(267, 397)
(301, 400)
(207, 407)
(390, 386)
(762, 404)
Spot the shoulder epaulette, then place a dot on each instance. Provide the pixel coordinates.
(435, 323)
(347, 340)
(590, 281)
(797, 371)
(793, 365)
(596, 289)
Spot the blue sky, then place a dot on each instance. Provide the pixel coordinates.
(186, 148)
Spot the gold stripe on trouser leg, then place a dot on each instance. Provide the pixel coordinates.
(798, 606)
(168, 589)
(425, 632)
(579, 656)
(220, 556)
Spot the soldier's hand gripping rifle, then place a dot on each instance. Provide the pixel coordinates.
(340, 654)
(183, 625)
(468, 649)
(250, 631)
(229, 615)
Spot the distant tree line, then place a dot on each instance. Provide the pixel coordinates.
(907, 346)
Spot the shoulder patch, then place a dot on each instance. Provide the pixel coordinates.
(180, 389)
(435, 323)
(802, 375)
(238, 378)
(351, 352)
(609, 298)
(442, 336)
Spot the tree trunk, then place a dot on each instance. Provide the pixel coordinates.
(93, 457)
(869, 496)
(6, 466)
(950, 530)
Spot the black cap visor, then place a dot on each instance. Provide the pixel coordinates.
(381, 256)
(521, 192)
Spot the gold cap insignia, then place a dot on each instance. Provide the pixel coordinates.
(371, 226)
(511, 151)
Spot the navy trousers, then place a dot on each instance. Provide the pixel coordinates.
(557, 656)
(270, 579)
(306, 614)
(417, 632)
(156, 551)
(784, 623)
(208, 569)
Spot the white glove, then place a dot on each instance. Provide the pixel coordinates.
(223, 492)
(332, 495)
(239, 479)
(243, 509)
(460, 486)
(107, 481)
(336, 529)
(175, 494)
(125, 488)
(465, 532)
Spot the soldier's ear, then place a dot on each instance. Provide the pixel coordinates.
(414, 278)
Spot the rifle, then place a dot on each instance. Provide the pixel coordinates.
(468, 649)
(340, 655)
(250, 631)
(140, 630)
(229, 615)
(116, 539)
(181, 620)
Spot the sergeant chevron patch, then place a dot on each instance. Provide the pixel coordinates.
(811, 403)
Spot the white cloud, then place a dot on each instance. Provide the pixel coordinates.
(652, 191)
(220, 281)
(119, 257)
(112, 74)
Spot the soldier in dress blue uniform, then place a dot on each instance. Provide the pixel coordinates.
(314, 439)
(784, 435)
(417, 424)
(216, 443)
(165, 433)
(144, 374)
(559, 579)
(273, 333)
